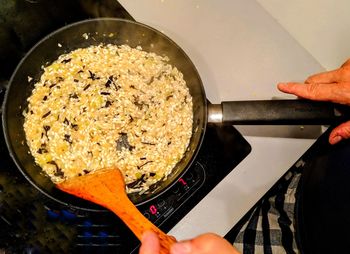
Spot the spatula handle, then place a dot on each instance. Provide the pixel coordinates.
(106, 188)
(138, 223)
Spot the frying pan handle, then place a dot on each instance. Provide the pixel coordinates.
(279, 112)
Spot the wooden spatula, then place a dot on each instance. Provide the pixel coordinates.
(107, 188)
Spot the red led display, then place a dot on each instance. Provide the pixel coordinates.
(153, 209)
(182, 181)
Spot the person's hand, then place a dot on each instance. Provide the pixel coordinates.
(331, 86)
(203, 244)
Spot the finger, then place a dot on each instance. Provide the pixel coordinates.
(150, 243)
(338, 93)
(339, 133)
(320, 92)
(324, 77)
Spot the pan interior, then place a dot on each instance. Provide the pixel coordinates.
(84, 34)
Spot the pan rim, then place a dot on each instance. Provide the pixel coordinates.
(4, 114)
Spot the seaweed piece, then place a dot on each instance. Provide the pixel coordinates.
(148, 143)
(60, 79)
(92, 75)
(133, 184)
(81, 71)
(46, 128)
(74, 126)
(73, 96)
(42, 150)
(152, 174)
(86, 87)
(105, 93)
(75, 80)
(68, 138)
(66, 60)
(122, 142)
(66, 121)
(144, 164)
(168, 97)
(137, 182)
(185, 99)
(109, 81)
(53, 85)
(86, 171)
(59, 171)
(143, 158)
(46, 114)
(108, 103)
(45, 98)
(116, 86)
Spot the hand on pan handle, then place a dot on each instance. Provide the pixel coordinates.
(331, 86)
(203, 244)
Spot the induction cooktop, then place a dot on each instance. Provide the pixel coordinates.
(30, 222)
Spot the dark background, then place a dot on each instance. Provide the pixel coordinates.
(25, 22)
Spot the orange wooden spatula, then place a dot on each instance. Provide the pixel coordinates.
(106, 187)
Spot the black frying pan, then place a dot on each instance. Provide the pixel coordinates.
(323, 198)
(135, 34)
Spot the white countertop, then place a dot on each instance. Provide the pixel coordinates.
(241, 51)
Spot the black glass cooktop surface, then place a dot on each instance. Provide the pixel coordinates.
(32, 223)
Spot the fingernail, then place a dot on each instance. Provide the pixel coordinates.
(181, 248)
(149, 243)
(336, 139)
(145, 235)
(282, 85)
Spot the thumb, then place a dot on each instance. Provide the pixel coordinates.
(150, 243)
(339, 133)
